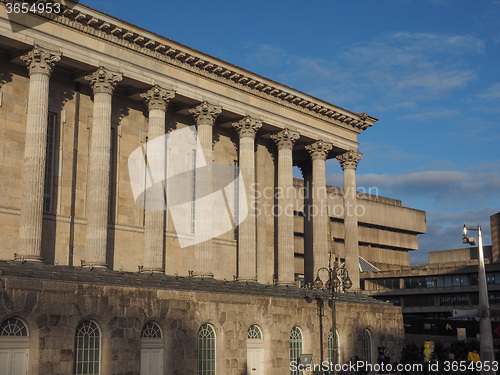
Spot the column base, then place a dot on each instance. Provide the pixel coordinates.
(247, 279)
(92, 265)
(199, 275)
(152, 270)
(286, 283)
(27, 258)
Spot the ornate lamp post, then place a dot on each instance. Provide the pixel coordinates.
(338, 281)
(486, 340)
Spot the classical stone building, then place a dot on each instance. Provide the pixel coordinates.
(92, 281)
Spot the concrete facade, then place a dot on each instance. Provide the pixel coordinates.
(428, 294)
(83, 249)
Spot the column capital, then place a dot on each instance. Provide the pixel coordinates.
(158, 98)
(285, 139)
(247, 127)
(41, 60)
(206, 113)
(319, 149)
(103, 80)
(349, 159)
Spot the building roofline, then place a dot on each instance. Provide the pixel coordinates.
(98, 24)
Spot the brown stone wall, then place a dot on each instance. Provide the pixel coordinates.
(53, 310)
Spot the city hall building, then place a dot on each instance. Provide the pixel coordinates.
(109, 267)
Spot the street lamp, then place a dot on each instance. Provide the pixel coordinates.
(338, 281)
(486, 339)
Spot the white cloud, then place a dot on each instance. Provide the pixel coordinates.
(398, 69)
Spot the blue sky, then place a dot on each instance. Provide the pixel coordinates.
(428, 69)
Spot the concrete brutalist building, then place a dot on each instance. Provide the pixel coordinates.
(440, 299)
(92, 282)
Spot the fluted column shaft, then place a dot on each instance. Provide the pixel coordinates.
(319, 151)
(349, 162)
(40, 63)
(247, 245)
(205, 115)
(157, 100)
(285, 140)
(103, 83)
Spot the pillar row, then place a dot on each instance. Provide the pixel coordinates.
(285, 140)
(205, 115)
(320, 218)
(247, 246)
(157, 100)
(40, 63)
(349, 162)
(103, 83)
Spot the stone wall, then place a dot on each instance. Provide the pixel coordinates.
(53, 309)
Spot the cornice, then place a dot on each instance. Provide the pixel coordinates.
(99, 25)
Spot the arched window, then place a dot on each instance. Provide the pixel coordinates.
(295, 347)
(87, 348)
(151, 350)
(206, 350)
(366, 346)
(254, 332)
(151, 331)
(13, 327)
(255, 351)
(14, 347)
(331, 348)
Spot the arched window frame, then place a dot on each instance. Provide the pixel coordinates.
(151, 330)
(206, 350)
(366, 346)
(254, 333)
(330, 346)
(295, 347)
(14, 327)
(87, 358)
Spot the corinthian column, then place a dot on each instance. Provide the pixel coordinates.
(103, 83)
(318, 152)
(247, 250)
(40, 63)
(157, 100)
(204, 115)
(285, 140)
(349, 161)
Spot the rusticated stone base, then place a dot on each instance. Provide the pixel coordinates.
(54, 300)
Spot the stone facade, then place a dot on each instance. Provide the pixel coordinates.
(54, 300)
(72, 111)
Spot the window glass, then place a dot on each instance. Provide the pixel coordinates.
(440, 281)
(455, 279)
(13, 327)
(206, 350)
(151, 330)
(473, 279)
(295, 348)
(464, 280)
(254, 332)
(331, 348)
(490, 278)
(430, 281)
(87, 348)
(447, 281)
(366, 347)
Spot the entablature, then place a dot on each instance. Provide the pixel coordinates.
(99, 25)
